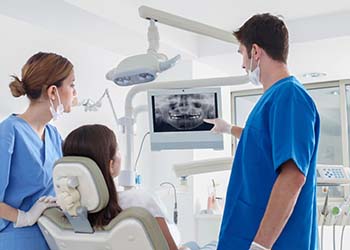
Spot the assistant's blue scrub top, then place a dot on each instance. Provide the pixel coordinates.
(284, 125)
(26, 164)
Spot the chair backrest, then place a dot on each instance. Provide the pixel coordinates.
(80, 179)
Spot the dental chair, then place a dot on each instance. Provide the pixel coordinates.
(80, 179)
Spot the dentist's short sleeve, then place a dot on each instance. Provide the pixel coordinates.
(7, 139)
(292, 127)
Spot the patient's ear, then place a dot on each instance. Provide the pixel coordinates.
(111, 168)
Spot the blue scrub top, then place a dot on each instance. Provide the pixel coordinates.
(284, 125)
(25, 175)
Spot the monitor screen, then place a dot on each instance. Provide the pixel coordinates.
(176, 118)
(183, 112)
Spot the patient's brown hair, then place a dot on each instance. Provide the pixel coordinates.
(98, 143)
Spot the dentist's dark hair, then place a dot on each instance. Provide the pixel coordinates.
(98, 143)
(268, 32)
(41, 71)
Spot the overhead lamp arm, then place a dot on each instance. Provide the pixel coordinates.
(186, 24)
(153, 38)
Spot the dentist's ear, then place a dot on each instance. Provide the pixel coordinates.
(256, 51)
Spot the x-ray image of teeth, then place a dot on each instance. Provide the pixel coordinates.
(183, 112)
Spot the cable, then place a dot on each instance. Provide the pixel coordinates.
(324, 213)
(322, 236)
(175, 215)
(334, 237)
(140, 149)
(342, 237)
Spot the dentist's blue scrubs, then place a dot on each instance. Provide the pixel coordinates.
(26, 164)
(284, 125)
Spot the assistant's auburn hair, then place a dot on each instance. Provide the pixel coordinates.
(41, 71)
(98, 143)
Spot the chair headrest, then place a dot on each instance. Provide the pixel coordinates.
(81, 178)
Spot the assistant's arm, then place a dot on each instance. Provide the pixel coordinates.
(7, 212)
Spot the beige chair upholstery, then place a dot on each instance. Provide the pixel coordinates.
(133, 229)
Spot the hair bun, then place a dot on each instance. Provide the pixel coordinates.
(17, 87)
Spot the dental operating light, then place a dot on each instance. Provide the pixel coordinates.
(145, 67)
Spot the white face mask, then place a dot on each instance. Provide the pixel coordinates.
(254, 76)
(56, 114)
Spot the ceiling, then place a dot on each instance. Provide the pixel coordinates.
(307, 20)
(115, 25)
(224, 14)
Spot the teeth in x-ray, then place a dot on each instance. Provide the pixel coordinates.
(194, 116)
(184, 111)
(178, 117)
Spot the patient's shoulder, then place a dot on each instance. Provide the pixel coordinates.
(135, 197)
(139, 198)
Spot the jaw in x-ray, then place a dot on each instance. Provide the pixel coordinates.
(184, 112)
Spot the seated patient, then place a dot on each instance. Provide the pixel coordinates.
(99, 143)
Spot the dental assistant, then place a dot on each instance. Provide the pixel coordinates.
(29, 146)
(271, 197)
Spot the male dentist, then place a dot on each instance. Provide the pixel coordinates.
(271, 197)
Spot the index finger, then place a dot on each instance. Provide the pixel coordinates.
(211, 121)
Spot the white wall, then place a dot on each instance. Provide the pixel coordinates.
(90, 64)
(328, 55)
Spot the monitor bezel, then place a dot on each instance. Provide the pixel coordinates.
(210, 136)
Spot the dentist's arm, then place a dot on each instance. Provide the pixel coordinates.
(236, 131)
(283, 198)
(221, 126)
